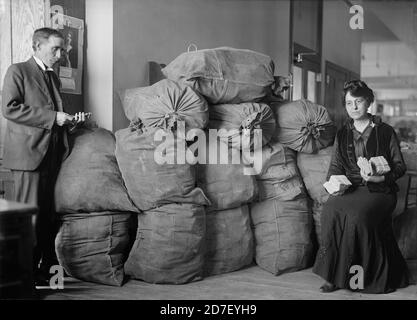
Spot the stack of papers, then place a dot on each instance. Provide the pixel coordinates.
(337, 183)
(379, 165)
(375, 165)
(365, 166)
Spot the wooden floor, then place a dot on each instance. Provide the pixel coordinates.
(251, 283)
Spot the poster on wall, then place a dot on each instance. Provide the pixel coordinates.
(71, 64)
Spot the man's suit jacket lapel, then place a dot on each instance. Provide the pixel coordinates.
(38, 76)
(41, 81)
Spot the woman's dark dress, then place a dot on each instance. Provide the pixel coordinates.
(357, 226)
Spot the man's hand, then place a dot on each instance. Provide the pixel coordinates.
(78, 119)
(372, 178)
(63, 118)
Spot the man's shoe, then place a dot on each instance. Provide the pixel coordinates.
(328, 287)
(41, 278)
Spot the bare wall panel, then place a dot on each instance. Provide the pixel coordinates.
(27, 16)
(5, 57)
(159, 30)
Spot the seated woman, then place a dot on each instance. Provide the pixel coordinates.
(357, 225)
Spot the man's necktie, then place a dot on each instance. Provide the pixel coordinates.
(55, 141)
(49, 77)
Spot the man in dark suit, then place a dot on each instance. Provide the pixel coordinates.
(36, 138)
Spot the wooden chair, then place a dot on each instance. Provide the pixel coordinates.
(403, 201)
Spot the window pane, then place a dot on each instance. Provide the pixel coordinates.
(297, 83)
(311, 86)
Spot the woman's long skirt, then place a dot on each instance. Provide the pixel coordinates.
(357, 235)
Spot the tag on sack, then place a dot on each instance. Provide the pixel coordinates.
(337, 183)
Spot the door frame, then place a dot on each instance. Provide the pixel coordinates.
(310, 62)
(349, 75)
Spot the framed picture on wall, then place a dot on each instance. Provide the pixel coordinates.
(71, 64)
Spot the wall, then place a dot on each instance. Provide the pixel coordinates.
(399, 16)
(306, 21)
(340, 44)
(5, 58)
(98, 79)
(18, 20)
(159, 30)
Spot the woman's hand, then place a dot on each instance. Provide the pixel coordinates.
(338, 193)
(374, 179)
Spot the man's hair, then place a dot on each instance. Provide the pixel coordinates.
(358, 88)
(43, 34)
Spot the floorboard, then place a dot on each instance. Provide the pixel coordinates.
(251, 283)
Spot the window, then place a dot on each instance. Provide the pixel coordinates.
(311, 86)
(297, 83)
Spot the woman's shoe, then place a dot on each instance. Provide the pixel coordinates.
(328, 287)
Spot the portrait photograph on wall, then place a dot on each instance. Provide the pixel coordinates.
(71, 64)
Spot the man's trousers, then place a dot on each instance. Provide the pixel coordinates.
(37, 188)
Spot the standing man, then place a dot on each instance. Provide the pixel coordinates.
(36, 138)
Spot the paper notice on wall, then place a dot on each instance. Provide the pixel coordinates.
(65, 72)
(68, 84)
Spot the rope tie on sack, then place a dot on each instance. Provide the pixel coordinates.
(251, 122)
(312, 129)
(248, 125)
(136, 125)
(170, 121)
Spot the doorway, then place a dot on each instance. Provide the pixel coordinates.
(306, 74)
(336, 76)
